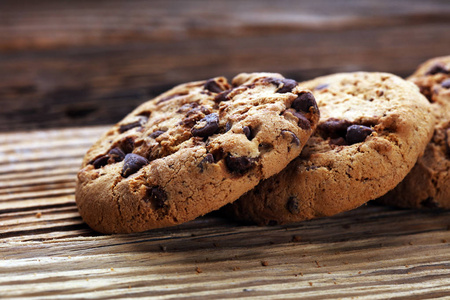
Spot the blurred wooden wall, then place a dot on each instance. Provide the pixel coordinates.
(74, 63)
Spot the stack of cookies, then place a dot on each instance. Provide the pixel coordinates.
(270, 150)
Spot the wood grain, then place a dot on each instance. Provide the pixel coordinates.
(70, 63)
(47, 252)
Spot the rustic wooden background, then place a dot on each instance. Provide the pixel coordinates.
(70, 63)
(68, 68)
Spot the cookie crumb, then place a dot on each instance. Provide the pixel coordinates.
(310, 283)
(198, 270)
(345, 262)
(317, 263)
(406, 266)
(69, 257)
(264, 263)
(112, 269)
(444, 241)
(410, 243)
(335, 282)
(296, 238)
(215, 245)
(163, 248)
(236, 268)
(38, 215)
(359, 272)
(301, 273)
(129, 286)
(329, 272)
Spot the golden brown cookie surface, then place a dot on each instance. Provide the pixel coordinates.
(373, 126)
(428, 183)
(192, 150)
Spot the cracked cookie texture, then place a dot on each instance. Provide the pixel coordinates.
(192, 150)
(428, 183)
(372, 129)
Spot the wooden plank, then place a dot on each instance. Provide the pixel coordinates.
(47, 252)
(91, 62)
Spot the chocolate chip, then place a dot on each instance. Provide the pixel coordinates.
(156, 133)
(206, 126)
(334, 128)
(208, 159)
(139, 123)
(437, 68)
(127, 144)
(223, 96)
(292, 205)
(116, 154)
(294, 140)
(101, 161)
(157, 196)
(429, 203)
(132, 164)
(304, 102)
(288, 86)
(321, 86)
(284, 85)
(302, 122)
(212, 86)
(145, 114)
(239, 164)
(228, 126)
(357, 133)
(248, 132)
(446, 84)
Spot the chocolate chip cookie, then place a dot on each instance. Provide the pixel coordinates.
(192, 150)
(428, 183)
(373, 127)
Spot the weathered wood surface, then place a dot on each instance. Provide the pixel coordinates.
(70, 63)
(47, 252)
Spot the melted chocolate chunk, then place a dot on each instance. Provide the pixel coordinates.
(206, 126)
(157, 196)
(239, 165)
(302, 122)
(228, 126)
(156, 133)
(117, 154)
(212, 86)
(139, 123)
(132, 164)
(294, 140)
(284, 85)
(208, 159)
(334, 128)
(357, 133)
(437, 68)
(127, 144)
(304, 102)
(429, 203)
(101, 161)
(223, 96)
(446, 84)
(288, 86)
(292, 205)
(248, 132)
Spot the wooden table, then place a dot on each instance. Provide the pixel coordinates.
(47, 252)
